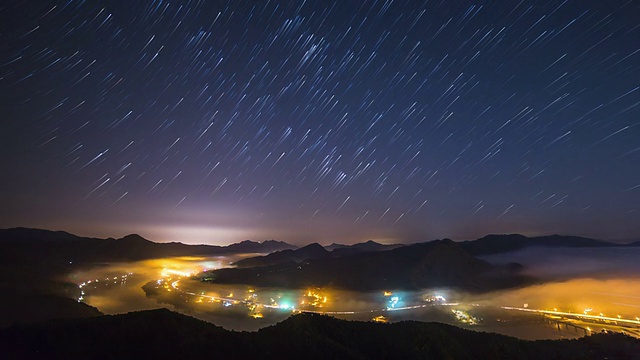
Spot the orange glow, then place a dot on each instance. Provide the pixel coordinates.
(582, 296)
(313, 298)
(380, 319)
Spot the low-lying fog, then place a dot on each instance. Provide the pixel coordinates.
(124, 294)
(595, 281)
(568, 263)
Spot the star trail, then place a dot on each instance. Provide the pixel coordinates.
(218, 121)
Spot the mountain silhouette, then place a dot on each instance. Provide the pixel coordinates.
(248, 246)
(494, 244)
(339, 249)
(314, 251)
(21, 234)
(311, 251)
(431, 264)
(20, 243)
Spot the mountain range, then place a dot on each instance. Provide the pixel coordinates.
(20, 243)
(430, 264)
(311, 251)
(494, 244)
(15, 242)
(369, 245)
(314, 251)
(490, 244)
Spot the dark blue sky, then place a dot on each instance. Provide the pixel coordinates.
(218, 121)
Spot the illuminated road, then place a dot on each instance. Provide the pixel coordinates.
(576, 315)
(175, 286)
(376, 310)
(611, 323)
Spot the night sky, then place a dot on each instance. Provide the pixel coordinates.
(398, 121)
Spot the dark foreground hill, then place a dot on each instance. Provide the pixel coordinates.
(432, 264)
(161, 334)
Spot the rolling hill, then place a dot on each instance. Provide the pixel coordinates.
(162, 334)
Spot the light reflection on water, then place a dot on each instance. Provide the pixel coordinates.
(571, 286)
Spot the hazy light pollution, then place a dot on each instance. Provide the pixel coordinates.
(218, 121)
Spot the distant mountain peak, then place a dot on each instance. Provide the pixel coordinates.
(28, 234)
(312, 246)
(268, 246)
(273, 242)
(133, 237)
(311, 251)
(500, 243)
